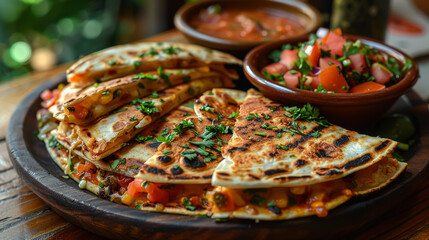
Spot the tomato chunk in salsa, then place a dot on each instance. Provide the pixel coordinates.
(246, 25)
(333, 64)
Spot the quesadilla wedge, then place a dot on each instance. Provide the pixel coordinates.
(106, 136)
(83, 106)
(277, 203)
(274, 146)
(168, 198)
(142, 57)
(195, 149)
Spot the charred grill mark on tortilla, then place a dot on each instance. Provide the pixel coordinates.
(222, 174)
(300, 162)
(154, 145)
(306, 137)
(164, 159)
(382, 145)
(193, 163)
(176, 171)
(243, 149)
(285, 179)
(274, 171)
(155, 170)
(358, 161)
(341, 141)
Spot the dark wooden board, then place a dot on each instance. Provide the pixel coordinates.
(111, 220)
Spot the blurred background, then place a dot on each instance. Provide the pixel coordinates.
(36, 35)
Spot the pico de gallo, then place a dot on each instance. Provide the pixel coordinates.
(333, 64)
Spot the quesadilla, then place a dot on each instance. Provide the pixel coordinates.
(195, 148)
(275, 146)
(143, 57)
(283, 163)
(83, 105)
(106, 136)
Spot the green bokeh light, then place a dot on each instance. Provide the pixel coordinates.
(20, 52)
(92, 29)
(31, 1)
(66, 26)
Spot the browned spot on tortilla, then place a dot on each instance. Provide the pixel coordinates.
(118, 126)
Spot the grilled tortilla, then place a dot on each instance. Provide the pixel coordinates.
(279, 203)
(112, 186)
(106, 136)
(269, 148)
(195, 150)
(142, 57)
(83, 105)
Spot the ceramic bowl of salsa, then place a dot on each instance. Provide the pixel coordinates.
(340, 103)
(239, 25)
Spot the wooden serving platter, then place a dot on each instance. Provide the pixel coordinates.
(82, 208)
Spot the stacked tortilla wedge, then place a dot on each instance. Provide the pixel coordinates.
(132, 127)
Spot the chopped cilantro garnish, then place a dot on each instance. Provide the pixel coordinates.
(133, 167)
(133, 119)
(54, 143)
(145, 76)
(176, 166)
(207, 108)
(167, 152)
(65, 177)
(265, 126)
(145, 106)
(151, 52)
(137, 64)
(187, 204)
(117, 162)
(171, 50)
(121, 110)
(307, 112)
(233, 115)
(257, 200)
(105, 92)
(182, 125)
(112, 62)
(101, 185)
(205, 143)
(164, 76)
(316, 134)
(282, 147)
(189, 154)
(271, 204)
(143, 139)
(154, 95)
(191, 91)
(261, 133)
(71, 109)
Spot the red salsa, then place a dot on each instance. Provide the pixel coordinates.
(245, 25)
(334, 64)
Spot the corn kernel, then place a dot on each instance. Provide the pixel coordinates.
(298, 190)
(127, 198)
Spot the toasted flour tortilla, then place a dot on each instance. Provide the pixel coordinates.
(280, 203)
(112, 191)
(106, 136)
(311, 153)
(142, 57)
(83, 105)
(176, 167)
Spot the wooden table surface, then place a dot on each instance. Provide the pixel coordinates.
(23, 215)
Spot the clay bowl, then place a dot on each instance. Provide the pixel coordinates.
(307, 15)
(353, 111)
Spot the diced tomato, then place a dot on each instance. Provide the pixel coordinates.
(89, 167)
(275, 68)
(358, 62)
(326, 62)
(381, 74)
(135, 187)
(332, 80)
(288, 58)
(292, 80)
(122, 180)
(88, 170)
(367, 87)
(78, 111)
(377, 58)
(315, 82)
(49, 97)
(156, 194)
(195, 200)
(313, 57)
(333, 42)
